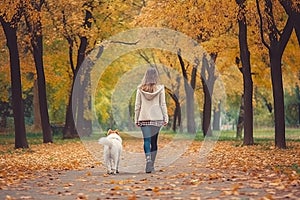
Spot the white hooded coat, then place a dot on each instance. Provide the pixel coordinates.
(151, 106)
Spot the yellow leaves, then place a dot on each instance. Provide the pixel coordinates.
(9, 8)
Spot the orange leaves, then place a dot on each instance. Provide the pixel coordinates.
(230, 171)
(19, 164)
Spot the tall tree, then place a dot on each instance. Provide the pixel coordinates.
(10, 30)
(190, 93)
(208, 79)
(34, 24)
(246, 71)
(84, 124)
(277, 41)
(75, 33)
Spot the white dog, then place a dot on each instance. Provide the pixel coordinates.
(112, 150)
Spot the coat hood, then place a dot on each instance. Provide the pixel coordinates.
(151, 95)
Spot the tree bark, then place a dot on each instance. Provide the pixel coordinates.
(10, 31)
(246, 70)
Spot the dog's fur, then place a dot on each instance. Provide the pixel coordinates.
(112, 150)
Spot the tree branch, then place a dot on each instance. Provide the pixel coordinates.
(286, 33)
(261, 26)
(182, 64)
(125, 43)
(294, 13)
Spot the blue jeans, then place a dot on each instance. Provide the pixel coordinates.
(150, 135)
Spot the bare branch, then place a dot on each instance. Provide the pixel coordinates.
(125, 43)
(145, 57)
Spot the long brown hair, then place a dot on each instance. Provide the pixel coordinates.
(150, 80)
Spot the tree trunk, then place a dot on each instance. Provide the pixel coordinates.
(206, 118)
(246, 70)
(69, 130)
(298, 100)
(78, 107)
(81, 89)
(278, 96)
(278, 41)
(37, 124)
(37, 43)
(191, 126)
(3, 122)
(84, 121)
(217, 118)
(34, 26)
(16, 85)
(177, 111)
(240, 122)
(208, 80)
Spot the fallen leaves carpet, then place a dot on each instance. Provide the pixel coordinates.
(228, 171)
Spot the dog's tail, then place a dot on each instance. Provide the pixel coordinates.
(105, 141)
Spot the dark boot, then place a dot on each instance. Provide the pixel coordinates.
(153, 157)
(149, 163)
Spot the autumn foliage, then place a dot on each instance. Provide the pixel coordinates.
(46, 42)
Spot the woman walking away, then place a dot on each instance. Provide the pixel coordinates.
(150, 114)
